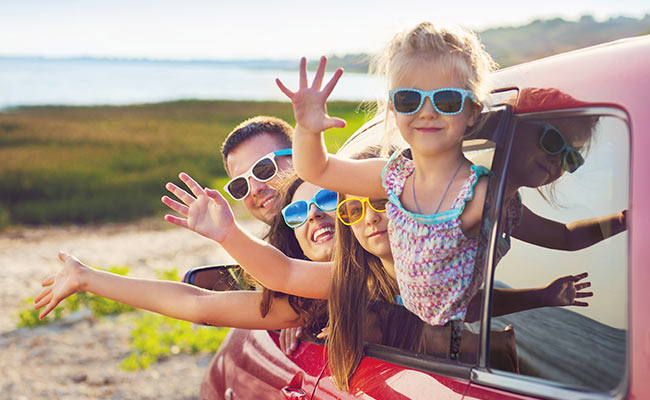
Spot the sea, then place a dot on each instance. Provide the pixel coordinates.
(92, 81)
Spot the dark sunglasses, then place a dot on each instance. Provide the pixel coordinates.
(263, 170)
(353, 209)
(447, 101)
(296, 214)
(552, 142)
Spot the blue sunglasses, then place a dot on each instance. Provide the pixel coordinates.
(296, 213)
(447, 101)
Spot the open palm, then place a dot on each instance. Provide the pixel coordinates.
(206, 212)
(57, 287)
(566, 290)
(309, 102)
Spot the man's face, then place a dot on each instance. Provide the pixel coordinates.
(262, 199)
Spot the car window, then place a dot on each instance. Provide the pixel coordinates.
(576, 345)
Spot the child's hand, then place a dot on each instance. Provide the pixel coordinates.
(207, 214)
(325, 332)
(61, 285)
(565, 290)
(290, 339)
(309, 106)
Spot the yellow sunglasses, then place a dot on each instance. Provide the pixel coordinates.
(353, 209)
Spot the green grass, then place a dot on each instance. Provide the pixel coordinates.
(98, 164)
(156, 337)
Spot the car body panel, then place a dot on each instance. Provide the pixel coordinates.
(378, 379)
(250, 365)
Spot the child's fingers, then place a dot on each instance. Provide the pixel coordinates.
(69, 259)
(46, 298)
(580, 304)
(584, 285)
(191, 183)
(177, 221)
(320, 72)
(44, 292)
(332, 83)
(303, 73)
(47, 310)
(284, 89)
(176, 206)
(323, 333)
(579, 277)
(180, 193)
(584, 294)
(333, 122)
(215, 195)
(48, 281)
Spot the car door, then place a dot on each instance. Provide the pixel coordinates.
(250, 365)
(389, 374)
(576, 351)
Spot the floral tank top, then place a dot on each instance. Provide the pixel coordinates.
(434, 260)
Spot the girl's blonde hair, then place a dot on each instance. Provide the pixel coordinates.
(455, 47)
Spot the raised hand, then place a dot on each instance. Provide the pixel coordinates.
(565, 290)
(206, 213)
(309, 103)
(61, 285)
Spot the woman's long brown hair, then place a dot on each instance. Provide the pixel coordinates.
(312, 312)
(358, 279)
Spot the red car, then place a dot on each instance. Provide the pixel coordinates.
(598, 95)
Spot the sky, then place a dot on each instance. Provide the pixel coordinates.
(241, 29)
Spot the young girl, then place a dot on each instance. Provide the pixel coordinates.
(437, 79)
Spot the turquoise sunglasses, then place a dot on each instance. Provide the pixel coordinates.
(447, 101)
(295, 214)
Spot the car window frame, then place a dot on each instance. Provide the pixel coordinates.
(521, 384)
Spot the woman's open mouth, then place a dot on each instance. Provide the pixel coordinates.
(323, 234)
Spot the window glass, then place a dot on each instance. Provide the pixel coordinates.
(569, 169)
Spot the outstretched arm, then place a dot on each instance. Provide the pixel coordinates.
(239, 309)
(573, 236)
(310, 157)
(207, 213)
(564, 291)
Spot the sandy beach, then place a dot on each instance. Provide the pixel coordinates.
(77, 358)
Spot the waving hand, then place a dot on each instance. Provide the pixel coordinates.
(206, 212)
(57, 287)
(566, 290)
(309, 102)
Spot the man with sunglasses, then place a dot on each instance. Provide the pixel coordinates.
(253, 154)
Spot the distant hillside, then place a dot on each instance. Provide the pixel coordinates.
(514, 45)
(540, 38)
